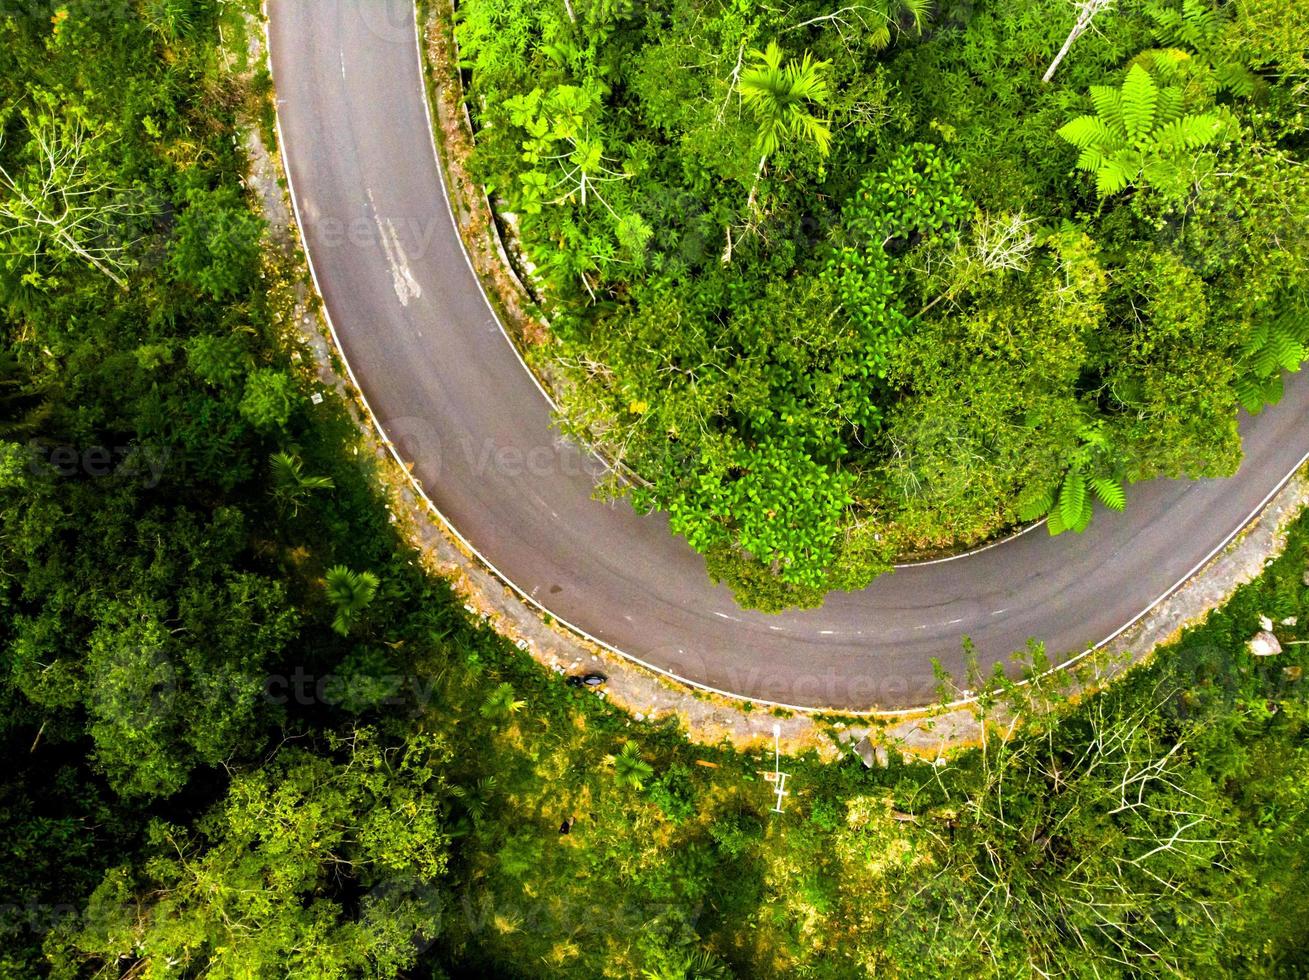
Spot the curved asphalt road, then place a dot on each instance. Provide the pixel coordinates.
(450, 392)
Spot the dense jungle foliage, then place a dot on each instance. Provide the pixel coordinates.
(245, 736)
(849, 282)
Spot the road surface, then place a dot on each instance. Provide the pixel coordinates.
(450, 392)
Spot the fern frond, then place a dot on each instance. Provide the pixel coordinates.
(1110, 492)
(1084, 521)
(1090, 159)
(1113, 177)
(1256, 337)
(1264, 361)
(1255, 392)
(1087, 131)
(1296, 324)
(1237, 79)
(1285, 347)
(919, 10)
(1169, 108)
(1200, 22)
(1189, 133)
(1168, 20)
(1162, 62)
(1274, 389)
(1140, 95)
(1108, 104)
(1250, 393)
(1072, 498)
(1055, 523)
(1202, 129)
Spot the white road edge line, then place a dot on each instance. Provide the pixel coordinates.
(872, 713)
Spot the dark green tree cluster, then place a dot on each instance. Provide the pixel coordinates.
(851, 282)
(185, 548)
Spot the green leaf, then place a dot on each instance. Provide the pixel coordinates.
(1112, 177)
(1055, 523)
(1188, 133)
(1085, 131)
(1108, 104)
(1140, 95)
(1273, 390)
(1091, 160)
(1250, 393)
(1254, 393)
(1110, 492)
(1284, 346)
(1170, 105)
(1072, 499)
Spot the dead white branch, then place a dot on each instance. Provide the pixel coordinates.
(61, 203)
(1087, 11)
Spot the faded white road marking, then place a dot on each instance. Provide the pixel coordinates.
(402, 278)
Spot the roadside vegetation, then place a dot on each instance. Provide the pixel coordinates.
(852, 282)
(246, 736)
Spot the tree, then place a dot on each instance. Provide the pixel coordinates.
(264, 884)
(218, 360)
(780, 96)
(629, 768)
(501, 703)
(564, 146)
(269, 398)
(1090, 475)
(350, 593)
(1090, 843)
(133, 699)
(1141, 134)
(957, 448)
(775, 502)
(291, 485)
(64, 201)
(215, 247)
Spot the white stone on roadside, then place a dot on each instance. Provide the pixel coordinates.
(1264, 644)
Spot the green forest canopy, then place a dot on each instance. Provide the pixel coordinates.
(246, 736)
(846, 283)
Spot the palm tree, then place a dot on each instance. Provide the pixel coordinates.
(691, 964)
(291, 485)
(474, 801)
(780, 96)
(629, 768)
(350, 592)
(500, 703)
